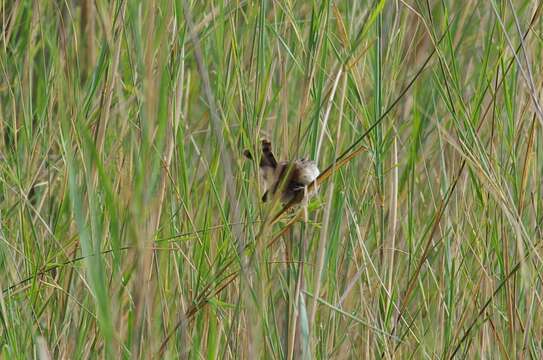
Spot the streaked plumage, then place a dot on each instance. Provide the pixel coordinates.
(288, 177)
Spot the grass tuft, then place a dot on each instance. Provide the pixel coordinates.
(131, 226)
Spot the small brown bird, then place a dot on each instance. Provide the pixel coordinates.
(291, 178)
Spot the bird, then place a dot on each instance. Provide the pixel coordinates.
(287, 179)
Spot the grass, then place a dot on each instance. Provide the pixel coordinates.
(132, 227)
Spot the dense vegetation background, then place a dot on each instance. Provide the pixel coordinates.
(132, 227)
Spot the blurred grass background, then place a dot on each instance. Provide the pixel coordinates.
(125, 203)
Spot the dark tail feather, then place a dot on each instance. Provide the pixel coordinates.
(267, 155)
